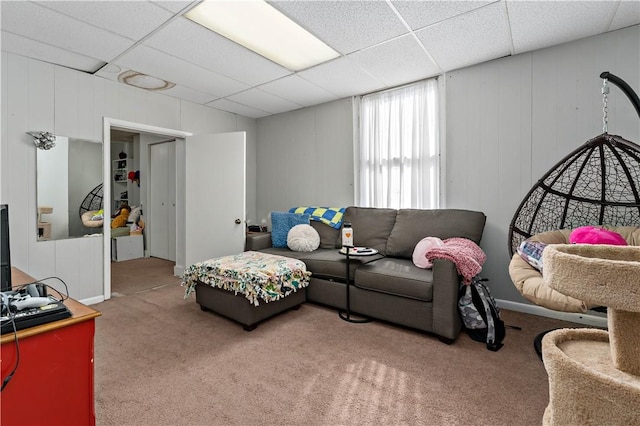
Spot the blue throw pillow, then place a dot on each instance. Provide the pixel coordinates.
(281, 223)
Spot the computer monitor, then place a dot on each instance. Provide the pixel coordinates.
(5, 258)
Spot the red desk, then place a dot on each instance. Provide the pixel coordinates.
(53, 384)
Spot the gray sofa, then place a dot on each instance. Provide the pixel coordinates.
(388, 286)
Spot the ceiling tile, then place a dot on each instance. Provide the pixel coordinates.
(158, 64)
(627, 14)
(477, 36)
(188, 94)
(264, 101)
(120, 17)
(346, 26)
(405, 61)
(175, 6)
(298, 90)
(226, 105)
(535, 24)
(34, 49)
(212, 51)
(419, 14)
(41, 24)
(342, 77)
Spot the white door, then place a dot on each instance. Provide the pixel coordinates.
(215, 195)
(161, 232)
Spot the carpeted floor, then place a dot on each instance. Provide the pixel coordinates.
(132, 276)
(160, 360)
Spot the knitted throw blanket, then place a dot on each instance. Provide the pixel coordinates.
(467, 256)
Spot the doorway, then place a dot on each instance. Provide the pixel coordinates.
(210, 201)
(148, 135)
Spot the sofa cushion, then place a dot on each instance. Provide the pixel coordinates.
(399, 277)
(371, 226)
(412, 225)
(329, 263)
(329, 237)
(286, 252)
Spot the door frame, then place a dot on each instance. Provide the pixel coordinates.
(108, 124)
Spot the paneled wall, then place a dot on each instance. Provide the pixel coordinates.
(41, 96)
(510, 120)
(305, 157)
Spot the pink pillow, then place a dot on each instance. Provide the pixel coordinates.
(420, 251)
(595, 235)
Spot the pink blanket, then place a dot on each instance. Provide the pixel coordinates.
(466, 254)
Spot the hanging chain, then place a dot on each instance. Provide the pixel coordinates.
(605, 92)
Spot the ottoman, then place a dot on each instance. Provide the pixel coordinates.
(248, 287)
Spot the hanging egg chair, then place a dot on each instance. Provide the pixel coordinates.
(597, 184)
(91, 204)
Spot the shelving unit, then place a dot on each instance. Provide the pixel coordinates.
(120, 171)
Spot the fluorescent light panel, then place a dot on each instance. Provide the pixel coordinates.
(260, 27)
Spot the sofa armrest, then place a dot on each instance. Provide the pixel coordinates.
(446, 283)
(257, 241)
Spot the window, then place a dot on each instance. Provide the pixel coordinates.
(398, 150)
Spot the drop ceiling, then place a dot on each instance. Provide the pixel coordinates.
(382, 44)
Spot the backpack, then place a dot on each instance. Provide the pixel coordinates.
(480, 314)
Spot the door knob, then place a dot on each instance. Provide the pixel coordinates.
(238, 221)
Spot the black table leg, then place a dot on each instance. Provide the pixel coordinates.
(346, 315)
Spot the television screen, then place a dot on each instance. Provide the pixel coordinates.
(5, 258)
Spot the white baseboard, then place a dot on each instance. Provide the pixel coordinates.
(178, 270)
(592, 318)
(92, 300)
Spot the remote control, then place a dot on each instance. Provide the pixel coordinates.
(31, 302)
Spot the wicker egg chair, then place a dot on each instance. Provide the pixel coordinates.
(89, 206)
(597, 184)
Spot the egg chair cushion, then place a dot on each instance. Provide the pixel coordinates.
(530, 282)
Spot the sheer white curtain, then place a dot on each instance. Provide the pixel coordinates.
(398, 152)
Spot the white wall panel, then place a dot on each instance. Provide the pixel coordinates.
(20, 156)
(111, 102)
(305, 157)
(66, 101)
(128, 102)
(3, 129)
(199, 119)
(86, 107)
(160, 110)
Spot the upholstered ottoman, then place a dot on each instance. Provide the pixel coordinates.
(248, 287)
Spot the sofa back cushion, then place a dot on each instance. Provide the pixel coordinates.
(412, 225)
(329, 237)
(371, 226)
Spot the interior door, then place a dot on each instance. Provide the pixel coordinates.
(161, 232)
(215, 193)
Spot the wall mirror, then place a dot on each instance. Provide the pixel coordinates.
(66, 175)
